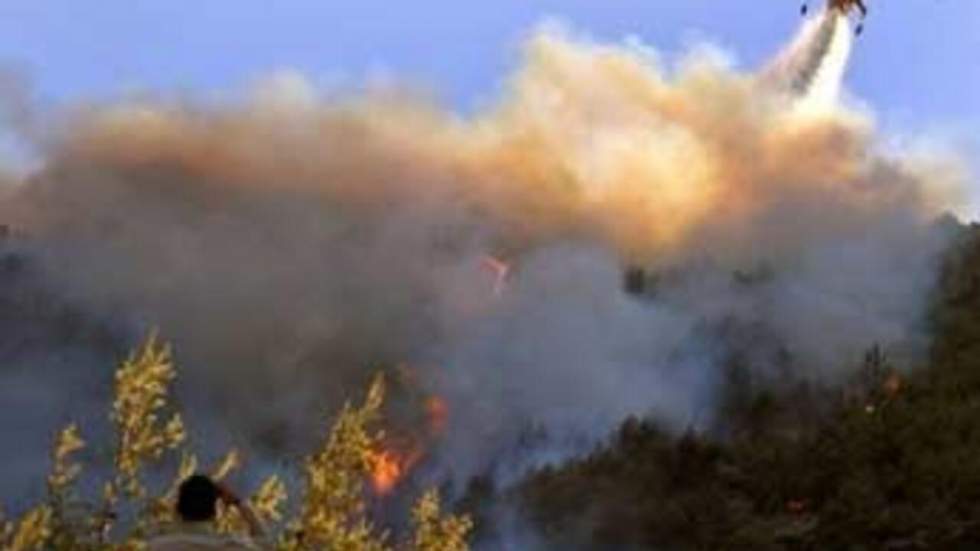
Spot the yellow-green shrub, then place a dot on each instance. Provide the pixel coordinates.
(331, 515)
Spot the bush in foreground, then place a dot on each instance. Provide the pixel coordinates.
(331, 513)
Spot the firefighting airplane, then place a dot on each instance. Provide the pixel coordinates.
(844, 7)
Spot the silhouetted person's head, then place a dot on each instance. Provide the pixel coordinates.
(197, 499)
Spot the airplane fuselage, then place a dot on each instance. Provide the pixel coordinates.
(845, 6)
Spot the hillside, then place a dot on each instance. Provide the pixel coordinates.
(888, 461)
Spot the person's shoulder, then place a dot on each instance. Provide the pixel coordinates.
(190, 541)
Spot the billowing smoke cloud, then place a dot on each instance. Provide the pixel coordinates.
(291, 245)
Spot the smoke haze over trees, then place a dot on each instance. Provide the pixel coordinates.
(295, 242)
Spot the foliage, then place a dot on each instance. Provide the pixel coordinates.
(433, 532)
(148, 434)
(333, 511)
(141, 389)
(31, 532)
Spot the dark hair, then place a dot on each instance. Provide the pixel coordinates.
(197, 498)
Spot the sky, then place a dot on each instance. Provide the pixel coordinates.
(916, 63)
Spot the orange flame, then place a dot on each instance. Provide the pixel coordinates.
(386, 472)
(405, 446)
(389, 468)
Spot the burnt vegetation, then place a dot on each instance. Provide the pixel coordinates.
(887, 460)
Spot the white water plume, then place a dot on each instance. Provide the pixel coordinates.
(811, 68)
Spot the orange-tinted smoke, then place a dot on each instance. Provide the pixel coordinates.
(589, 141)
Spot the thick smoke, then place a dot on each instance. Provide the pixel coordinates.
(291, 245)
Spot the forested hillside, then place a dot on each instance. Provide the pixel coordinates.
(887, 461)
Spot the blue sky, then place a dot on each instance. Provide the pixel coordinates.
(917, 63)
